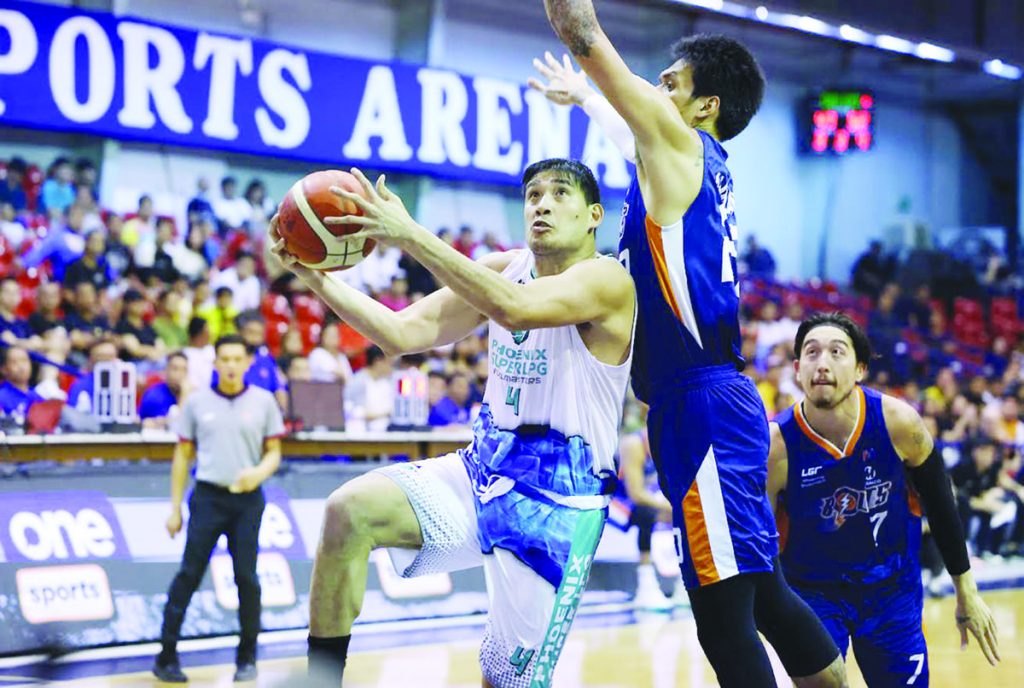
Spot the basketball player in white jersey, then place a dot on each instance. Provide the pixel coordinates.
(527, 499)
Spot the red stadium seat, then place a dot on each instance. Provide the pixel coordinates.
(310, 332)
(275, 306)
(308, 309)
(275, 333)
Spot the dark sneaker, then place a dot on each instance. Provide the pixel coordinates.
(169, 672)
(245, 672)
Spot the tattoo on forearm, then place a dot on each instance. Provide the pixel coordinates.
(575, 23)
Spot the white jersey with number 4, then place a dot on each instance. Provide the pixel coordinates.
(548, 377)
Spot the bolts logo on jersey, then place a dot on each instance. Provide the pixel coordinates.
(847, 502)
(519, 336)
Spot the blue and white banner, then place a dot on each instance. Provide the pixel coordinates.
(71, 70)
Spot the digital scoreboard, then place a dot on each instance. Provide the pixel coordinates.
(838, 121)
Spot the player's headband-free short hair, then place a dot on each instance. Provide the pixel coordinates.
(861, 343)
(580, 174)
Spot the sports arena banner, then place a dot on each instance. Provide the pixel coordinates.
(85, 560)
(73, 70)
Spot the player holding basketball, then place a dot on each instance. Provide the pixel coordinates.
(527, 498)
(838, 476)
(707, 425)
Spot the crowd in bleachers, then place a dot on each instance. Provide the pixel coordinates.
(81, 285)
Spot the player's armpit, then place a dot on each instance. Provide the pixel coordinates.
(589, 291)
(907, 431)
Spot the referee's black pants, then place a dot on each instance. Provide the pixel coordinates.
(213, 511)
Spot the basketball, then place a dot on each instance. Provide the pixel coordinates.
(300, 222)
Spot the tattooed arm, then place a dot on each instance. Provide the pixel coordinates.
(649, 112)
(909, 436)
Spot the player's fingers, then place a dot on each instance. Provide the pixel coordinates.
(360, 202)
(543, 69)
(382, 189)
(963, 636)
(552, 62)
(536, 85)
(987, 649)
(364, 182)
(567, 62)
(993, 638)
(350, 220)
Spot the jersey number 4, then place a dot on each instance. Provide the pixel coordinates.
(512, 399)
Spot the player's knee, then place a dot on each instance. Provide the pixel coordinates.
(833, 676)
(345, 521)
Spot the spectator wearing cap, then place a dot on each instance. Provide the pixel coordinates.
(14, 331)
(92, 266)
(63, 245)
(11, 189)
(136, 337)
(221, 314)
(80, 394)
(58, 192)
(231, 210)
(86, 322)
(47, 315)
(141, 226)
(199, 353)
(161, 402)
(454, 409)
(241, 279)
(16, 395)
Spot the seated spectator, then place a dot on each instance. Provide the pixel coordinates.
(56, 347)
(945, 388)
(58, 193)
(490, 244)
(190, 258)
(16, 395)
(137, 338)
(263, 371)
(871, 271)
(298, 370)
(199, 353)
(260, 209)
(140, 227)
(437, 387)
(1010, 429)
(62, 246)
(47, 314)
(92, 266)
(120, 259)
(14, 331)
(199, 207)
(370, 397)
(220, 315)
(326, 362)
(466, 242)
(86, 175)
(167, 322)
(759, 260)
(11, 189)
(979, 496)
(92, 219)
(153, 247)
(916, 310)
(85, 322)
(162, 401)
(241, 279)
(397, 296)
(998, 358)
(11, 227)
(80, 394)
(231, 210)
(454, 409)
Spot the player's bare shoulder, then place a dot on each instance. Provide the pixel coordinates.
(906, 430)
(499, 260)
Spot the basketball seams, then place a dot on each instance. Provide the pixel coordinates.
(329, 240)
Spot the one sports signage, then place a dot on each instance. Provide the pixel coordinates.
(121, 77)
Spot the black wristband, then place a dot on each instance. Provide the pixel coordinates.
(933, 487)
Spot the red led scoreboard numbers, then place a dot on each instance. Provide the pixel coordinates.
(840, 121)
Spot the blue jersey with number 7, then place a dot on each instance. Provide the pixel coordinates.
(848, 514)
(686, 281)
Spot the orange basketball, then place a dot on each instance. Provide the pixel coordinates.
(300, 222)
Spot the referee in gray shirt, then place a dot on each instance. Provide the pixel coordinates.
(234, 433)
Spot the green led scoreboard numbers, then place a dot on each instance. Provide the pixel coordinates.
(839, 122)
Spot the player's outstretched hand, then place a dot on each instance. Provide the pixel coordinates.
(384, 217)
(565, 85)
(972, 614)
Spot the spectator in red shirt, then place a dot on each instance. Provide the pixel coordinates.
(465, 243)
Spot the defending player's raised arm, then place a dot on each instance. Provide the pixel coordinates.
(650, 113)
(778, 466)
(927, 472)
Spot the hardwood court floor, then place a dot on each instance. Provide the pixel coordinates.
(656, 652)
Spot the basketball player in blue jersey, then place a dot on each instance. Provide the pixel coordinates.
(707, 425)
(846, 470)
(527, 500)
